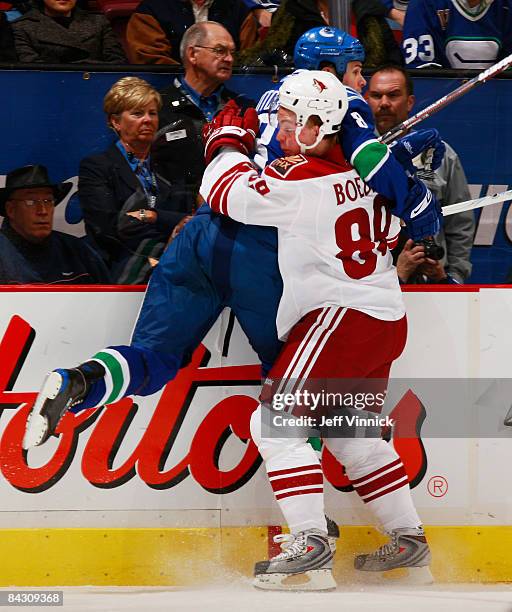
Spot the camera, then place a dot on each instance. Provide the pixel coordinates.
(432, 250)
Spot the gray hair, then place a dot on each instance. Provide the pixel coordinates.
(195, 35)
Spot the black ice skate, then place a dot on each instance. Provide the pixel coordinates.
(61, 390)
(333, 534)
(408, 550)
(304, 565)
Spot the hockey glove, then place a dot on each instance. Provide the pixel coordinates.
(421, 212)
(230, 128)
(407, 148)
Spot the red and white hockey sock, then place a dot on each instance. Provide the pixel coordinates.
(296, 478)
(299, 491)
(382, 483)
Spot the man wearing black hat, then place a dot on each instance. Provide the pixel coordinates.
(30, 250)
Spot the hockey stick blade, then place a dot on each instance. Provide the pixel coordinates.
(453, 209)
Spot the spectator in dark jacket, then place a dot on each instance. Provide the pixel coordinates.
(7, 50)
(289, 22)
(155, 30)
(130, 211)
(374, 31)
(207, 51)
(31, 251)
(58, 32)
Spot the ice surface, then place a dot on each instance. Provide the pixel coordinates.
(241, 596)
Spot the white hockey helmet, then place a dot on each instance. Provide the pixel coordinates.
(315, 92)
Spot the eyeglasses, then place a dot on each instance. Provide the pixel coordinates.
(47, 202)
(219, 51)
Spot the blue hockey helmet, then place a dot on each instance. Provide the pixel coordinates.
(327, 44)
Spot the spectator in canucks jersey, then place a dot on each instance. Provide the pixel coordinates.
(457, 33)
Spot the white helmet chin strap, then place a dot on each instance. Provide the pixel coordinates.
(304, 148)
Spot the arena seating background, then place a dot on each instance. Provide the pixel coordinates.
(55, 117)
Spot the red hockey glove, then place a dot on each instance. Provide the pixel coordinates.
(230, 128)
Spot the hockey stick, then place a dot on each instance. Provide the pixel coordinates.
(453, 209)
(508, 418)
(401, 128)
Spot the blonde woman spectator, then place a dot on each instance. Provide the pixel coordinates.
(129, 210)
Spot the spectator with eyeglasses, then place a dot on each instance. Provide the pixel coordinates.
(31, 251)
(206, 50)
(155, 30)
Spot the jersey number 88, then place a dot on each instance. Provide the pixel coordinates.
(357, 221)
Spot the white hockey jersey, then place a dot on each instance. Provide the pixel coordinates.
(334, 231)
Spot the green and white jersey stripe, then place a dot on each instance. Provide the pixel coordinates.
(369, 157)
(117, 375)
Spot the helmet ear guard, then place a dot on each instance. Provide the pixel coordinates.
(311, 93)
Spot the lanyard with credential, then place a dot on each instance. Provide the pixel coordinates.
(147, 179)
(145, 176)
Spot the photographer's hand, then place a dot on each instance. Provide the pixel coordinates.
(409, 259)
(434, 270)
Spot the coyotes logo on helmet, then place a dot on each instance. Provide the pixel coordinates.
(319, 85)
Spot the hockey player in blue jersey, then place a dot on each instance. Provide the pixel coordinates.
(215, 262)
(457, 33)
(331, 49)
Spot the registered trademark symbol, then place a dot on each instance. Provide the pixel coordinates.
(437, 486)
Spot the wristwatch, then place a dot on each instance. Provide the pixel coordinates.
(142, 214)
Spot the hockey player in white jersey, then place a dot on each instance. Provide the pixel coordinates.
(341, 313)
(330, 49)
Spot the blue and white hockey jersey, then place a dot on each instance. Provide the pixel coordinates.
(454, 35)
